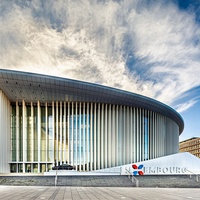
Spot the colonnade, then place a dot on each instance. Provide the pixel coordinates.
(86, 135)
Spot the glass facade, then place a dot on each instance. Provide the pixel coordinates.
(88, 136)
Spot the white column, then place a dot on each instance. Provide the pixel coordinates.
(157, 150)
(64, 149)
(113, 136)
(98, 137)
(159, 140)
(106, 136)
(161, 135)
(116, 136)
(95, 139)
(151, 135)
(148, 142)
(134, 135)
(80, 138)
(120, 136)
(57, 133)
(8, 136)
(127, 133)
(164, 135)
(61, 146)
(2, 129)
(142, 135)
(84, 147)
(39, 133)
(5, 133)
(46, 132)
(102, 136)
(146, 134)
(159, 132)
(140, 147)
(53, 132)
(109, 136)
(131, 135)
(158, 137)
(88, 159)
(68, 135)
(137, 135)
(32, 132)
(76, 149)
(154, 135)
(72, 144)
(17, 130)
(124, 136)
(91, 138)
(24, 133)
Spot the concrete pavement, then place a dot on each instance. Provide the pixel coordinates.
(94, 193)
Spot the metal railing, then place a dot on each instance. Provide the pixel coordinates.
(192, 173)
(130, 175)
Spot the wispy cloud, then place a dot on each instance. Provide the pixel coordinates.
(148, 48)
(186, 105)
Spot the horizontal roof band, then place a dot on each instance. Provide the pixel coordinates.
(33, 87)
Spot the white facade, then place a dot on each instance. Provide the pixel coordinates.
(88, 136)
(47, 121)
(5, 115)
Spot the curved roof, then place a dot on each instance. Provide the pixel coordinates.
(33, 87)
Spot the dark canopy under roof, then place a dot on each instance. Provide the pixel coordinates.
(33, 87)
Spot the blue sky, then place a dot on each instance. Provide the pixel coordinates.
(150, 47)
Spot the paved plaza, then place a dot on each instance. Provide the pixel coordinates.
(93, 193)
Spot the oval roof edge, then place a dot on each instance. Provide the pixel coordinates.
(178, 118)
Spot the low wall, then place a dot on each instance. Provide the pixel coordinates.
(168, 181)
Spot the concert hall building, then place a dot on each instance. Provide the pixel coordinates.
(47, 121)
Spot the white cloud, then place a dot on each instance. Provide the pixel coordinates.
(185, 106)
(92, 40)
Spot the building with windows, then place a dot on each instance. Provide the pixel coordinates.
(191, 145)
(47, 121)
